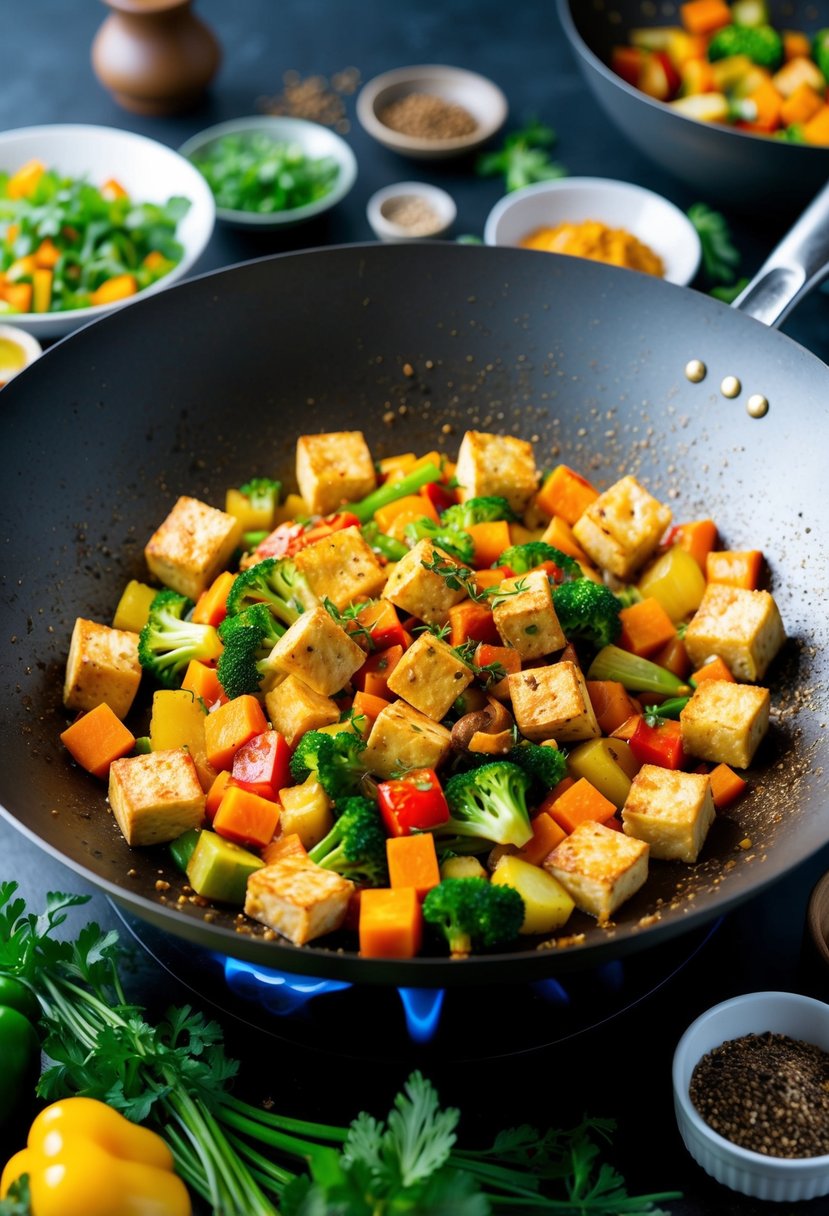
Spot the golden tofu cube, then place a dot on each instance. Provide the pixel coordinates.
(102, 665)
(524, 616)
(306, 812)
(743, 627)
(403, 738)
(193, 544)
(430, 676)
(622, 528)
(298, 899)
(725, 722)
(419, 591)
(293, 708)
(333, 468)
(318, 651)
(156, 797)
(599, 867)
(342, 568)
(496, 464)
(670, 810)
(553, 703)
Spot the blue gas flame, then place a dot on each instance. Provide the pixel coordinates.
(279, 992)
(422, 1007)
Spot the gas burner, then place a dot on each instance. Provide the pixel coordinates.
(387, 1023)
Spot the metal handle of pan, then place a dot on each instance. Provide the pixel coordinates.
(797, 265)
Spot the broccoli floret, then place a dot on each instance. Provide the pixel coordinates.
(760, 43)
(472, 912)
(333, 759)
(262, 493)
(587, 610)
(521, 558)
(491, 802)
(169, 641)
(820, 51)
(276, 583)
(546, 765)
(446, 536)
(248, 638)
(477, 511)
(356, 845)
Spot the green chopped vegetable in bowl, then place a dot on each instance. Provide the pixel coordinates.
(269, 171)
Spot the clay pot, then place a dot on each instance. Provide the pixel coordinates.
(154, 56)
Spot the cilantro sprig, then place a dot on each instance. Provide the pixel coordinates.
(524, 157)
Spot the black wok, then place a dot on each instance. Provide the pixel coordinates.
(726, 165)
(210, 382)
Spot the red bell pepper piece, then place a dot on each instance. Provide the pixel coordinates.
(262, 765)
(439, 495)
(289, 538)
(383, 625)
(413, 802)
(660, 744)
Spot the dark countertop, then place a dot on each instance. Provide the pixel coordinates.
(622, 1068)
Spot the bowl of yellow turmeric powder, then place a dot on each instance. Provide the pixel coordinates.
(602, 220)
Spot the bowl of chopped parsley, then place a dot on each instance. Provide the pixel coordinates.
(267, 171)
(92, 218)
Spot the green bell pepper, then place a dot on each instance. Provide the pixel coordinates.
(19, 1046)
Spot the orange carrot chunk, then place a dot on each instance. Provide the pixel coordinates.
(697, 538)
(646, 627)
(413, 862)
(216, 793)
(246, 818)
(471, 621)
(715, 669)
(735, 568)
(97, 738)
(491, 539)
(391, 922)
(704, 16)
(582, 801)
(231, 725)
(366, 705)
(567, 494)
(283, 846)
(203, 683)
(546, 835)
(726, 786)
(211, 606)
(611, 703)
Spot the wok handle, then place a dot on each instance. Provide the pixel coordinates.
(797, 265)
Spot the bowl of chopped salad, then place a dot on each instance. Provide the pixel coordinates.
(728, 95)
(268, 172)
(92, 218)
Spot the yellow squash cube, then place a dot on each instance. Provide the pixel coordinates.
(547, 906)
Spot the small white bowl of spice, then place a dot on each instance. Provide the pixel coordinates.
(431, 112)
(410, 211)
(751, 1095)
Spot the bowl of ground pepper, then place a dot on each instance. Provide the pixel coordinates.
(751, 1094)
(431, 112)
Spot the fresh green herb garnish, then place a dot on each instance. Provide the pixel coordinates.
(720, 257)
(524, 157)
(256, 173)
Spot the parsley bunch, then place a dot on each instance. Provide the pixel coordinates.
(175, 1076)
(524, 158)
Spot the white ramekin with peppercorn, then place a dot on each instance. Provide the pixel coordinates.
(751, 1094)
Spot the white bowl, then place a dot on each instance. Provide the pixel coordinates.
(149, 171)
(315, 141)
(381, 218)
(651, 218)
(27, 350)
(783, 1179)
(478, 95)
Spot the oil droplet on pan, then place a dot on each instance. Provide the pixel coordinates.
(731, 387)
(695, 370)
(757, 406)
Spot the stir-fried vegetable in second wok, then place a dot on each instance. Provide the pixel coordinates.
(426, 701)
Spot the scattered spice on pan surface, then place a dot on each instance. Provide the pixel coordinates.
(766, 1092)
(427, 116)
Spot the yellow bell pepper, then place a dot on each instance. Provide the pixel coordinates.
(85, 1159)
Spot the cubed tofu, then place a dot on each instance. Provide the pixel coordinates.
(553, 703)
(333, 468)
(743, 627)
(193, 544)
(317, 651)
(403, 738)
(299, 900)
(342, 568)
(622, 528)
(599, 867)
(306, 812)
(419, 591)
(156, 797)
(670, 810)
(102, 666)
(294, 707)
(725, 722)
(524, 616)
(430, 676)
(496, 464)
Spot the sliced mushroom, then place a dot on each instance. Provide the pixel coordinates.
(490, 730)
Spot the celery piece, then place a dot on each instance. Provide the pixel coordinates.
(637, 675)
